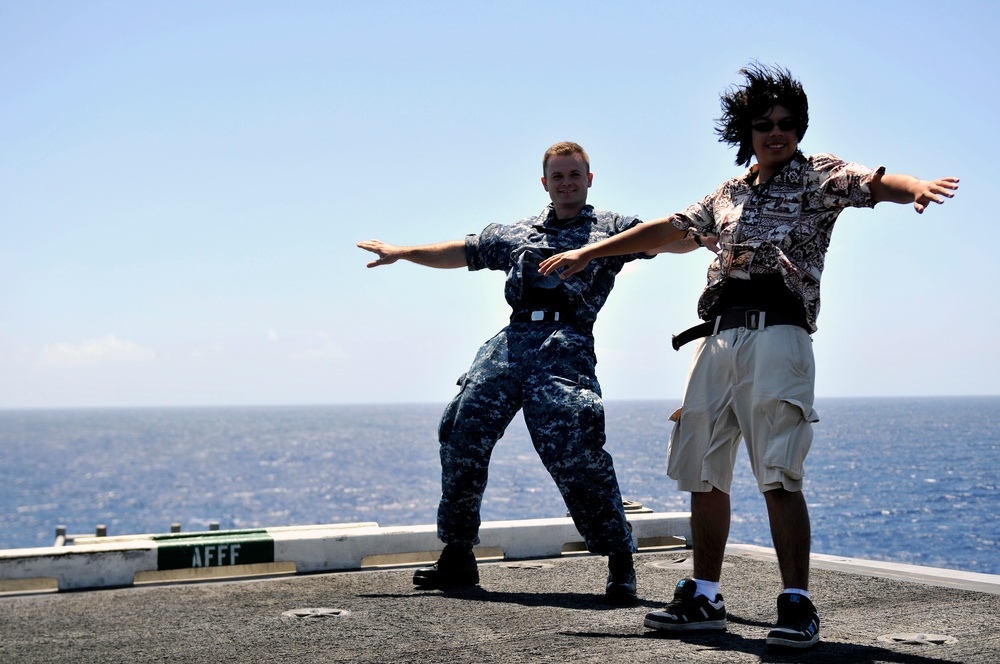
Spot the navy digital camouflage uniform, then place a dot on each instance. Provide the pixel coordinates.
(545, 367)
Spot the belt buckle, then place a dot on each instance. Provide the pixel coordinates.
(542, 315)
(537, 316)
(754, 319)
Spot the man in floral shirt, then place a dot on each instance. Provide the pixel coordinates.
(753, 376)
(543, 361)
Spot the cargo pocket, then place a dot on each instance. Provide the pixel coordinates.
(791, 437)
(451, 410)
(590, 407)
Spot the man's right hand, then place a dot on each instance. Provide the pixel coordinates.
(387, 253)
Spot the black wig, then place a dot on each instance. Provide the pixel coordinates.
(765, 88)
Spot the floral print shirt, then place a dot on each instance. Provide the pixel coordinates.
(782, 226)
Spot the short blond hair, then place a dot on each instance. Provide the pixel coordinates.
(563, 148)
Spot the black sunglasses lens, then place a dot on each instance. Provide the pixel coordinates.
(785, 124)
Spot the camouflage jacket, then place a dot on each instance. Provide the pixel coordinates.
(518, 248)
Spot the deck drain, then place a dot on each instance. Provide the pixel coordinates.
(918, 639)
(315, 614)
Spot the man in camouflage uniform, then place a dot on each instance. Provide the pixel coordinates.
(543, 362)
(753, 373)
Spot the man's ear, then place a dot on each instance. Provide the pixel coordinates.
(590, 180)
(545, 184)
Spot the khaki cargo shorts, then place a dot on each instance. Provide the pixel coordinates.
(757, 385)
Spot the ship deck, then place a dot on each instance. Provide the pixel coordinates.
(530, 610)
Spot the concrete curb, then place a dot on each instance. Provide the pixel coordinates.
(105, 562)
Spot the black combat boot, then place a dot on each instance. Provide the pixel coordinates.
(454, 569)
(621, 580)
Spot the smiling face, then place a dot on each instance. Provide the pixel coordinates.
(775, 140)
(567, 179)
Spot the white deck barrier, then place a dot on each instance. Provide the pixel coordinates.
(104, 562)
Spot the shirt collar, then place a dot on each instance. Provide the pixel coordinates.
(548, 216)
(795, 163)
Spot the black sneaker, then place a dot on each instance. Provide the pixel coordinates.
(798, 622)
(689, 613)
(621, 580)
(454, 569)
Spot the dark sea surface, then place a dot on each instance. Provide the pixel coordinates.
(912, 480)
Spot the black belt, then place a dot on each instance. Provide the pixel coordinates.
(752, 319)
(541, 316)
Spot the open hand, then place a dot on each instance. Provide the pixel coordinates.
(387, 253)
(571, 262)
(933, 190)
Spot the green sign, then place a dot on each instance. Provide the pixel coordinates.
(214, 549)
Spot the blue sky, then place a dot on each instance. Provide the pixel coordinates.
(182, 185)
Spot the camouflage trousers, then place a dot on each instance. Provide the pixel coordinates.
(547, 370)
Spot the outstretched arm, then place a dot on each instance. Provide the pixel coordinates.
(683, 246)
(443, 254)
(650, 238)
(897, 188)
(690, 243)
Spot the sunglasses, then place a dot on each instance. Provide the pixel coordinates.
(784, 124)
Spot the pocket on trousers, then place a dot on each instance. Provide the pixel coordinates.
(791, 437)
(451, 411)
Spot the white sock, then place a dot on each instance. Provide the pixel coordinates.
(798, 591)
(707, 588)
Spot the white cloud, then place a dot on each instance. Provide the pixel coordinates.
(95, 351)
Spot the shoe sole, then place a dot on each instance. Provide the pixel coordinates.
(620, 598)
(433, 584)
(788, 643)
(439, 586)
(430, 583)
(701, 625)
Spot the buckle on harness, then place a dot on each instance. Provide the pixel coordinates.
(754, 319)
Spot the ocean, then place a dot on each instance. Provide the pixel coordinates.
(910, 480)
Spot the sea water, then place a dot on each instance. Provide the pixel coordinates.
(912, 480)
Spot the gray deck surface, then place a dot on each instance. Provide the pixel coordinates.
(525, 611)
